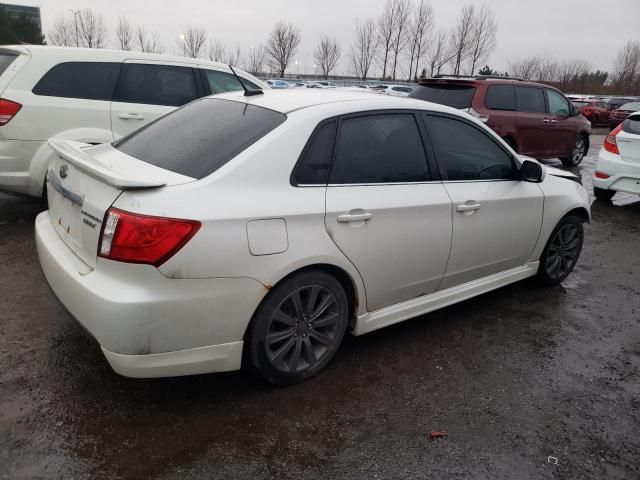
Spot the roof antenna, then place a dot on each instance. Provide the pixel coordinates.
(248, 92)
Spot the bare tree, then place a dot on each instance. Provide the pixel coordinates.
(626, 73)
(234, 57)
(363, 49)
(147, 43)
(386, 32)
(483, 37)
(63, 33)
(327, 54)
(571, 71)
(255, 59)
(217, 51)
(91, 29)
(282, 45)
(526, 68)
(124, 33)
(548, 70)
(442, 52)
(193, 39)
(420, 32)
(402, 21)
(463, 36)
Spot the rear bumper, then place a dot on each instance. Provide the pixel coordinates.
(149, 325)
(623, 176)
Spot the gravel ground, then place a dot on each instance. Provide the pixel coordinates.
(514, 376)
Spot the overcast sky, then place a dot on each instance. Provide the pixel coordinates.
(593, 30)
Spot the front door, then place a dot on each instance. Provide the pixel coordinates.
(562, 135)
(382, 209)
(148, 90)
(496, 218)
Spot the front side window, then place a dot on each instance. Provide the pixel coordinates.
(558, 105)
(156, 85)
(530, 99)
(383, 148)
(314, 163)
(201, 137)
(220, 82)
(500, 97)
(467, 153)
(86, 80)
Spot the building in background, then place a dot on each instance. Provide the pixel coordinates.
(32, 13)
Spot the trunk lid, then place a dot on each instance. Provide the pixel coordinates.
(84, 181)
(628, 139)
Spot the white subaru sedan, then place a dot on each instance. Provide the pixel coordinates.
(257, 230)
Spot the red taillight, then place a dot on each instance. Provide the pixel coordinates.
(610, 143)
(602, 175)
(8, 110)
(133, 238)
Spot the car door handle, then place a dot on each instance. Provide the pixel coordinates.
(354, 217)
(545, 120)
(467, 207)
(130, 116)
(554, 121)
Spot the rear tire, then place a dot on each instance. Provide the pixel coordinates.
(298, 328)
(562, 251)
(603, 194)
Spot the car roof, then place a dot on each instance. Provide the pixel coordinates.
(287, 101)
(488, 80)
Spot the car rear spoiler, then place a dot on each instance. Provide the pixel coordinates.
(72, 152)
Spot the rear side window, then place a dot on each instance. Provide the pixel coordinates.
(453, 95)
(500, 97)
(156, 85)
(220, 82)
(201, 137)
(5, 61)
(530, 99)
(87, 80)
(314, 163)
(379, 149)
(467, 153)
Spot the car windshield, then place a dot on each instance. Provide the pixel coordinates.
(635, 106)
(452, 95)
(201, 137)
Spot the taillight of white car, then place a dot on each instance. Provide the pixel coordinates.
(8, 110)
(134, 238)
(611, 146)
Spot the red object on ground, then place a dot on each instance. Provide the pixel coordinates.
(433, 435)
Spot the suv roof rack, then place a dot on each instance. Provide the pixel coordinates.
(477, 77)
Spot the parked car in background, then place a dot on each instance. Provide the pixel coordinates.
(298, 84)
(534, 119)
(321, 84)
(278, 84)
(596, 111)
(393, 90)
(618, 165)
(265, 227)
(615, 103)
(92, 96)
(617, 116)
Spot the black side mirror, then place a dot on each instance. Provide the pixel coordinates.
(531, 172)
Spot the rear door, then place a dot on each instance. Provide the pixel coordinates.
(496, 218)
(384, 210)
(562, 134)
(533, 122)
(147, 90)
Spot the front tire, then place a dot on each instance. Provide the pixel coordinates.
(603, 194)
(577, 154)
(562, 251)
(298, 328)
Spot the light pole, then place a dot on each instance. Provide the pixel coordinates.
(75, 17)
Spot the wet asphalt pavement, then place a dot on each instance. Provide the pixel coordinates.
(514, 376)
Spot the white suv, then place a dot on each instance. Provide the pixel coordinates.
(92, 96)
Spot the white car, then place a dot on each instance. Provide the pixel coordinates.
(265, 227)
(321, 84)
(394, 90)
(92, 96)
(618, 165)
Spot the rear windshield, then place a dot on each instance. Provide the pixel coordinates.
(456, 96)
(5, 61)
(201, 137)
(635, 106)
(632, 125)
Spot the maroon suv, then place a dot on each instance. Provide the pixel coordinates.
(535, 119)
